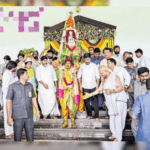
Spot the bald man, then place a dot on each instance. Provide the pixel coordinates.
(112, 89)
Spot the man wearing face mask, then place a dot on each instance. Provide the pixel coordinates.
(139, 89)
(89, 77)
(8, 79)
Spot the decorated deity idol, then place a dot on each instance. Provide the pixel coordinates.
(70, 41)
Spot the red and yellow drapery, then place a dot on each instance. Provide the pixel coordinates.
(84, 44)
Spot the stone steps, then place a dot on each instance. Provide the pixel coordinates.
(72, 134)
(50, 129)
(81, 123)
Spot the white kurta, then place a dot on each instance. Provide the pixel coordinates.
(125, 80)
(47, 97)
(8, 79)
(144, 62)
(111, 98)
(116, 103)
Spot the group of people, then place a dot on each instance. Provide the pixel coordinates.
(41, 85)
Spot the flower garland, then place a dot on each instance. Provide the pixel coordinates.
(71, 49)
(67, 82)
(30, 72)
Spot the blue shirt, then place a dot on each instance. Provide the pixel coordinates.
(97, 61)
(141, 109)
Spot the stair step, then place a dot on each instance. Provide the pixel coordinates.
(81, 123)
(73, 134)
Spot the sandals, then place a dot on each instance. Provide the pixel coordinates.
(10, 137)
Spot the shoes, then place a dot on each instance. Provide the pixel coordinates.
(65, 124)
(73, 125)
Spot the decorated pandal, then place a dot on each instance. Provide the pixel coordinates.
(87, 33)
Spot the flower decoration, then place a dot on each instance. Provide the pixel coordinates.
(70, 22)
(85, 32)
(28, 52)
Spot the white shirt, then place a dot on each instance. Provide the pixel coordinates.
(125, 79)
(123, 63)
(144, 62)
(120, 56)
(8, 79)
(123, 75)
(89, 74)
(104, 62)
(47, 75)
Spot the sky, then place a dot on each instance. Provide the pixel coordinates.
(132, 27)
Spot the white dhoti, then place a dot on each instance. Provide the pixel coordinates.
(48, 103)
(117, 123)
(47, 97)
(8, 129)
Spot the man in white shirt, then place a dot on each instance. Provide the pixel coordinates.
(108, 54)
(46, 76)
(90, 82)
(121, 98)
(144, 60)
(117, 52)
(8, 79)
(125, 56)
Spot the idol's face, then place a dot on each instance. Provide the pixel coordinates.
(144, 76)
(130, 65)
(28, 65)
(44, 62)
(68, 65)
(107, 54)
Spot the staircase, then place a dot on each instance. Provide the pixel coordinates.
(50, 129)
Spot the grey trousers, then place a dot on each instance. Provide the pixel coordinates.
(134, 126)
(26, 123)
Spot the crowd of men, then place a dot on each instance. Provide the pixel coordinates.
(109, 81)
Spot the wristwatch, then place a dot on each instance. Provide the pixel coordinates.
(114, 91)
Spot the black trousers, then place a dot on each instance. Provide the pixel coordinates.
(94, 99)
(26, 123)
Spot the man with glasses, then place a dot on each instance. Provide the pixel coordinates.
(139, 89)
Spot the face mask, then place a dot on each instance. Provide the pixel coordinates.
(35, 57)
(87, 63)
(117, 52)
